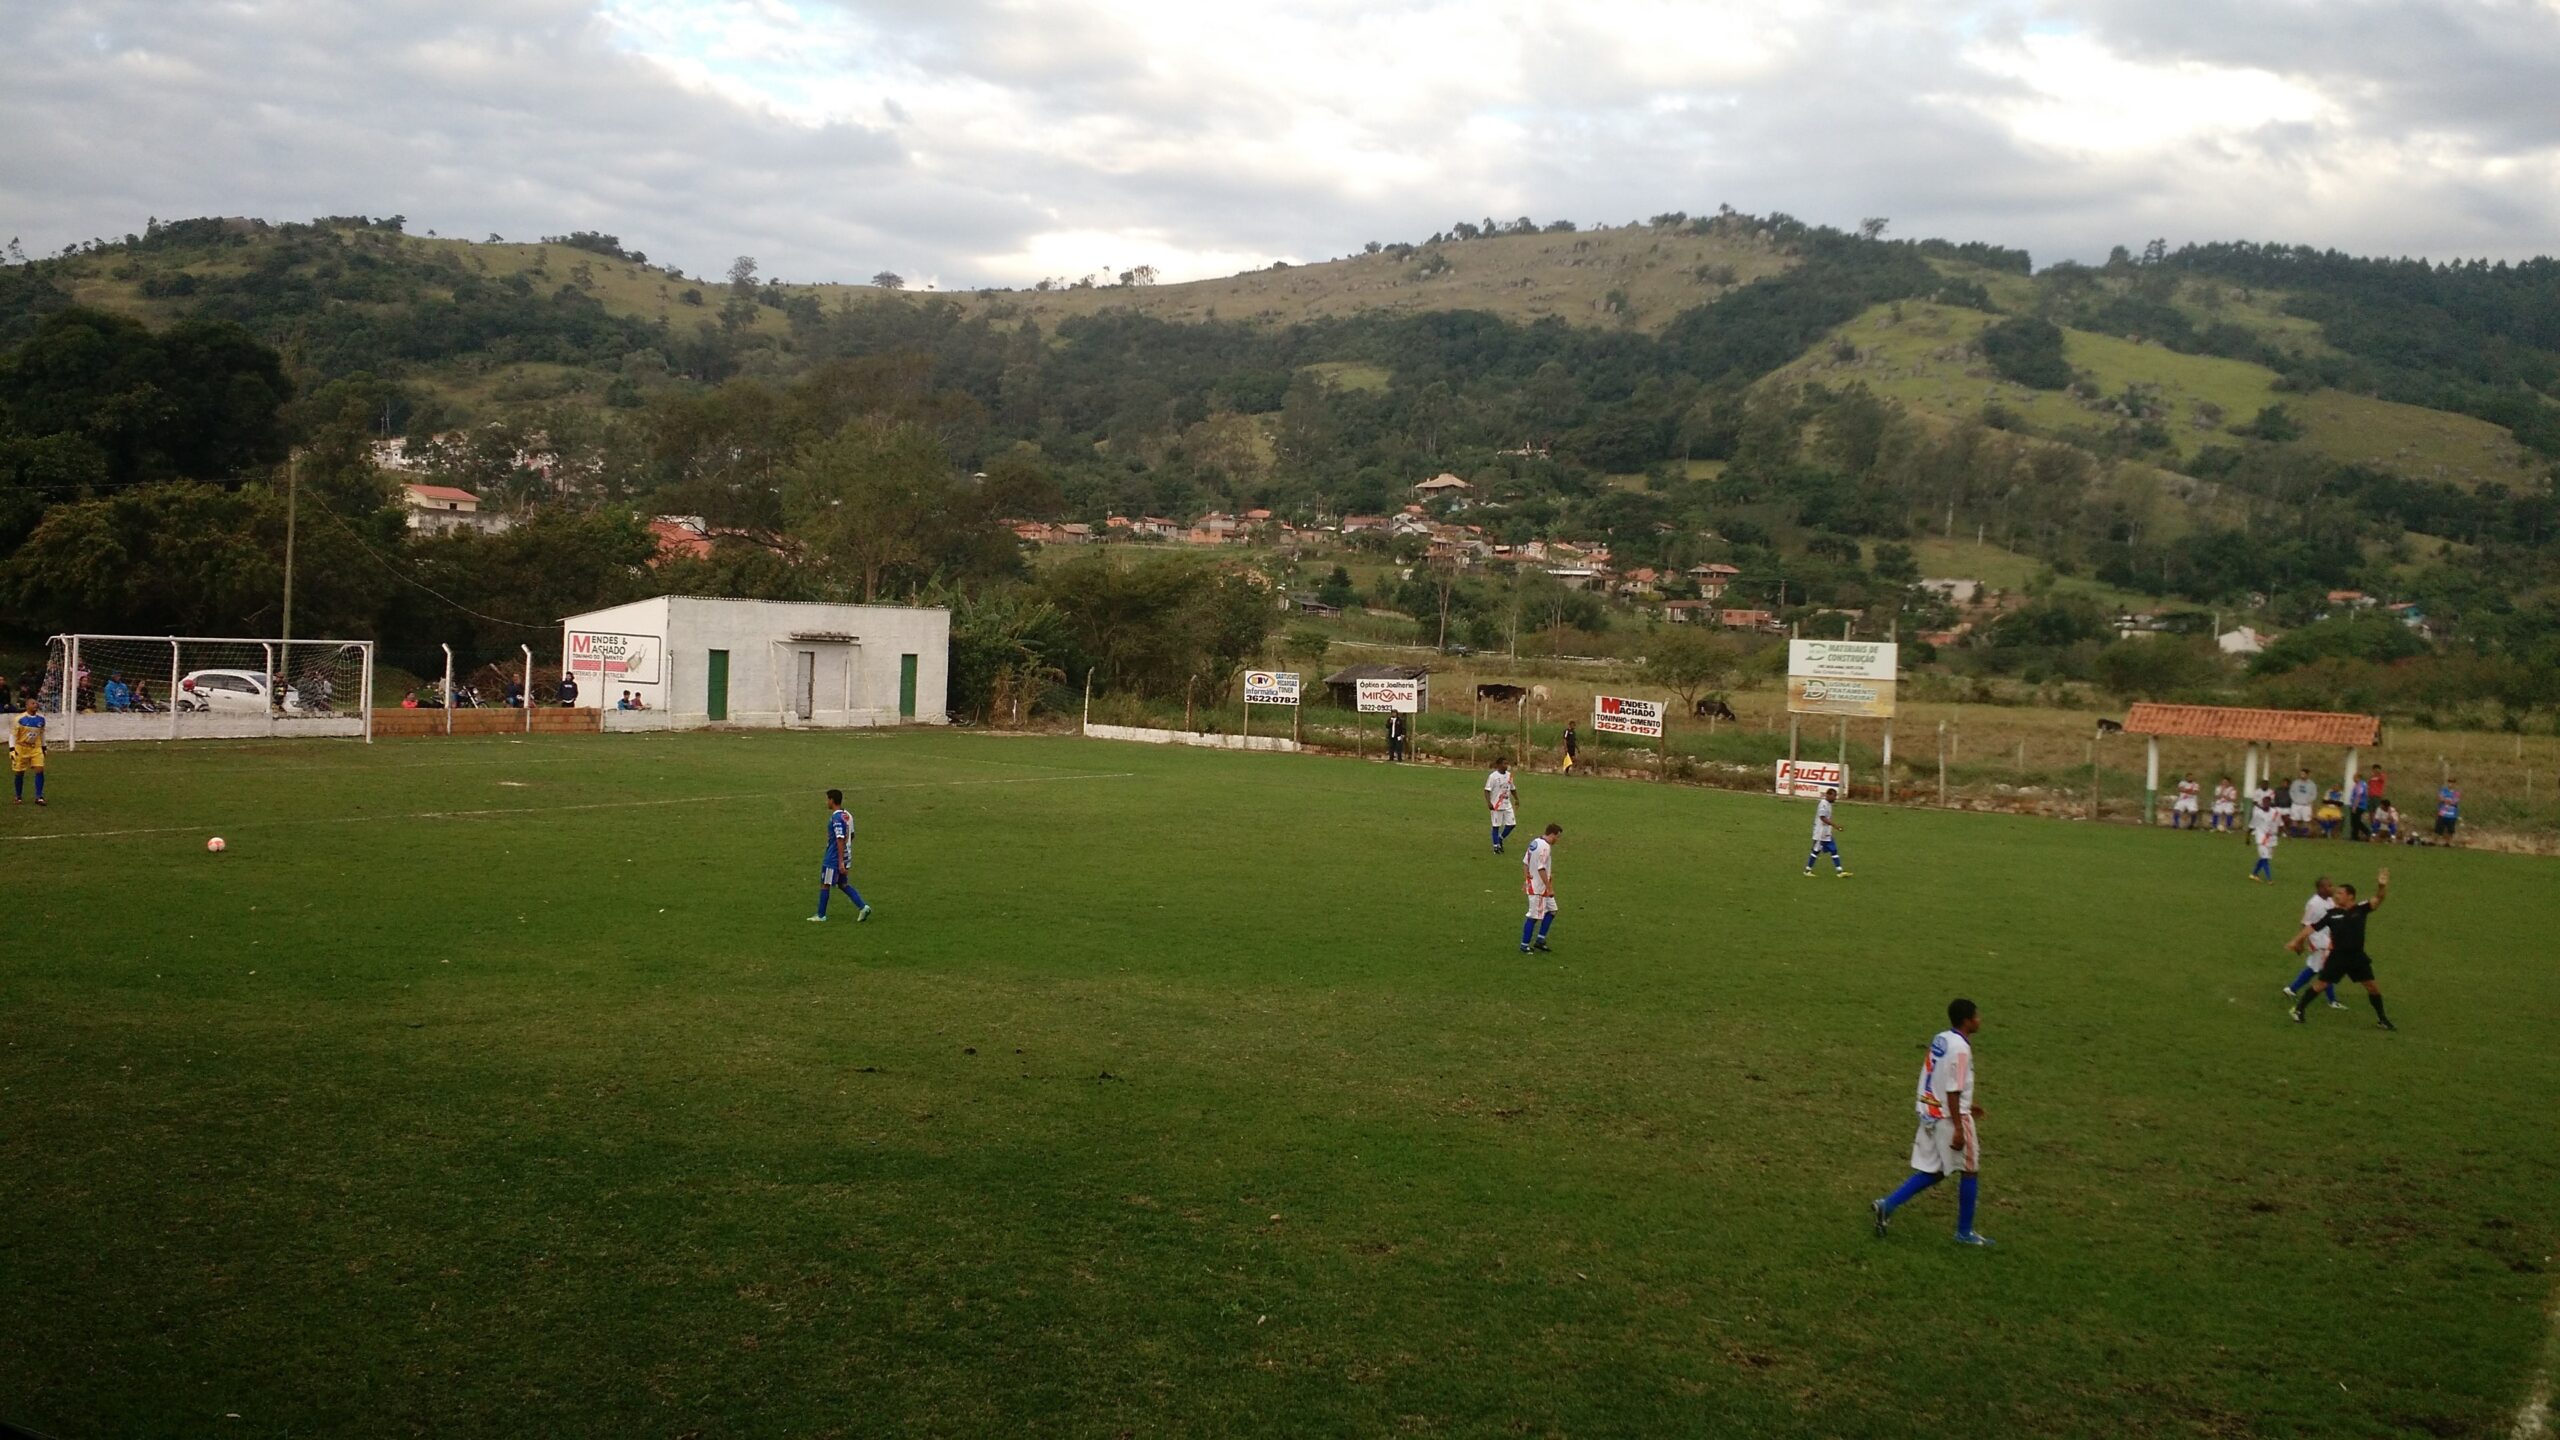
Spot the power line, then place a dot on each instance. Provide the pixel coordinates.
(394, 571)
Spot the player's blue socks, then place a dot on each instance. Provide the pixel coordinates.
(1546, 924)
(1497, 839)
(1528, 932)
(2262, 868)
(2307, 972)
(824, 891)
(1967, 1192)
(853, 895)
(1920, 1180)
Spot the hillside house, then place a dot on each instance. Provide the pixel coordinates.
(1746, 619)
(1642, 583)
(1574, 577)
(680, 537)
(1154, 527)
(2242, 641)
(1364, 524)
(1689, 612)
(1953, 590)
(1713, 578)
(1444, 487)
(434, 509)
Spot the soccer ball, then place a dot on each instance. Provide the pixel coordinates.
(214, 845)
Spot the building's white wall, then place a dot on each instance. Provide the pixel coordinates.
(855, 685)
(640, 617)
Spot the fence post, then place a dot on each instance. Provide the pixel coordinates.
(372, 653)
(448, 687)
(528, 687)
(173, 687)
(1886, 770)
(275, 687)
(2093, 777)
(1942, 764)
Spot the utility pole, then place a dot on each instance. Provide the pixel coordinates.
(292, 508)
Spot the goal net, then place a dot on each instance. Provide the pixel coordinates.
(195, 687)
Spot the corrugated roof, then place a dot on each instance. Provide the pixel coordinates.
(2223, 722)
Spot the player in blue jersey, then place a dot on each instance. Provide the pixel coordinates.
(26, 753)
(836, 871)
(1826, 838)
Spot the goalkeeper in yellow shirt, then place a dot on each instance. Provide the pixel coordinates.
(26, 753)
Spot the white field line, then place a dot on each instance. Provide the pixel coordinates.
(2533, 1418)
(501, 812)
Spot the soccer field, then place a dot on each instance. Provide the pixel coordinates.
(503, 1088)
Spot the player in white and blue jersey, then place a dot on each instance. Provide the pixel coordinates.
(1501, 802)
(836, 871)
(1826, 838)
(1538, 882)
(1947, 1143)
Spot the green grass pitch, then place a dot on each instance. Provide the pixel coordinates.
(502, 1088)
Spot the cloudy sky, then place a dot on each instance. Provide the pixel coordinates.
(996, 141)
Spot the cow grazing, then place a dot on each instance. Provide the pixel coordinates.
(2110, 727)
(1538, 693)
(1502, 694)
(1711, 708)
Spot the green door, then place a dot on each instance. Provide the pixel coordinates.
(906, 687)
(716, 703)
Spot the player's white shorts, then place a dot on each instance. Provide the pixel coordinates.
(1506, 816)
(1541, 906)
(2186, 806)
(1934, 1149)
(2222, 809)
(2266, 849)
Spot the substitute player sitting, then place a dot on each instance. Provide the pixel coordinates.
(26, 753)
(2226, 804)
(1538, 879)
(1947, 1143)
(2182, 811)
(1502, 799)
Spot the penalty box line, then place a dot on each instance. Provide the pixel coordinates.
(499, 812)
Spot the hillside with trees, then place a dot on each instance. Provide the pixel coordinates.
(2238, 431)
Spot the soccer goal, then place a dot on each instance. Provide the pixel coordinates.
(198, 687)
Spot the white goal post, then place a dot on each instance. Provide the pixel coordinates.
(204, 687)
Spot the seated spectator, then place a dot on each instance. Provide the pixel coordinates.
(2384, 823)
(622, 701)
(515, 694)
(637, 703)
(2332, 814)
(119, 696)
(409, 701)
(142, 698)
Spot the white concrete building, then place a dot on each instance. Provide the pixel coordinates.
(695, 661)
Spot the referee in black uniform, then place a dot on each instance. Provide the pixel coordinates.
(2347, 958)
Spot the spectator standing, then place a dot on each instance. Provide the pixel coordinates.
(2359, 808)
(2300, 795)
(1395, 734)
(568, 688)
(1572, 748)
(2448, 809)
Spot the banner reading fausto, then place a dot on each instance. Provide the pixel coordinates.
(1842, 677)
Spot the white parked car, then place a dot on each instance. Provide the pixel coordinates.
(231, 691)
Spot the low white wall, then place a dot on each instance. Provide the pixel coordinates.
(90, 726)
(650, 722)
(1185, 737)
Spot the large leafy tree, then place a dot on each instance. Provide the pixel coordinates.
(202, 400)
(880, 510)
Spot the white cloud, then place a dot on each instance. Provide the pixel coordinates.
(1002, 140)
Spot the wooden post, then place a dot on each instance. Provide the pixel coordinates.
(2093, 777)
(1886, 770)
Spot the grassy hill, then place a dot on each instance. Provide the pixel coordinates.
(1923, 355)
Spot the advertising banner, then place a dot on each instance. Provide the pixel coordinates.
(1619, 716)
(1859, 699)
(630, 659)
(1842, 659)
(1382, 697)
(1270, 687)
(1807, 779)
(1842, 677)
